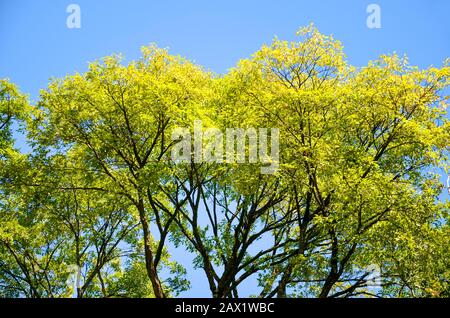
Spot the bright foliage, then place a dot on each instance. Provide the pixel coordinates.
(355, 208)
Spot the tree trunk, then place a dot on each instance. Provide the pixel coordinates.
(149, 259)
(282, 285)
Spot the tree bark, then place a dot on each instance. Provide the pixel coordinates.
(149, 259)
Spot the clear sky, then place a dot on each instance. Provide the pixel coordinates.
(35, 43)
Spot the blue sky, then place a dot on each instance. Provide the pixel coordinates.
(36, 43)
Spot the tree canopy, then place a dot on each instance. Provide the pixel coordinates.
(354, 208)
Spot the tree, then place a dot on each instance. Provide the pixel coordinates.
(118, 119)
(358, 146)
(354, 207)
